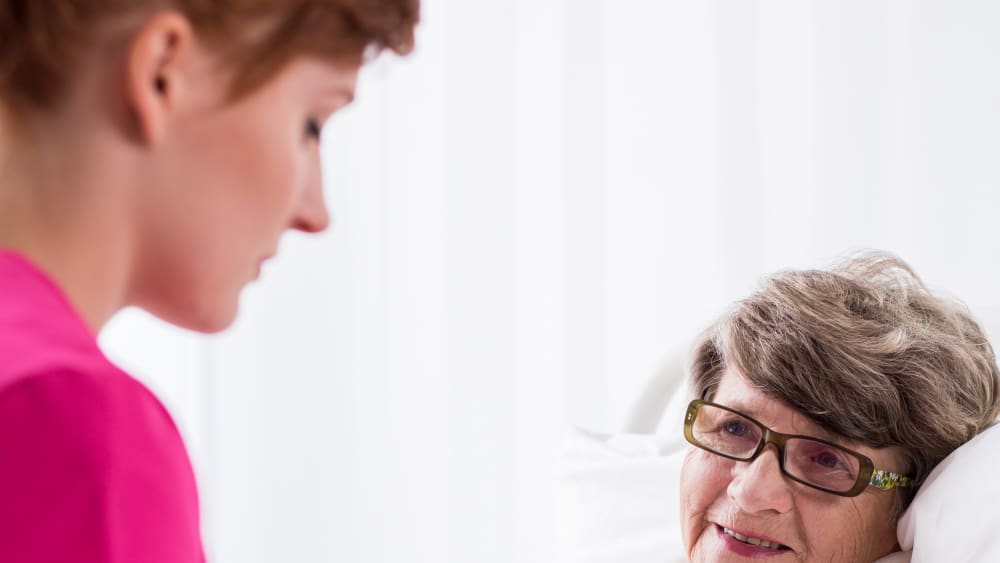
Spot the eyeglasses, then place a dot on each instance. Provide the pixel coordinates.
(817, 463)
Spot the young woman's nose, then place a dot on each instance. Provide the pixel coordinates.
(760, 486)
(311, 215)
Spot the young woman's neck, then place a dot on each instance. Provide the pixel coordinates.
(56, 209)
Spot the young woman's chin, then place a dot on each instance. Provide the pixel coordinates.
(207, 316)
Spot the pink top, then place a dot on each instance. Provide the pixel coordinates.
(92, 467)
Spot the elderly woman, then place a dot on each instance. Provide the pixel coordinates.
(824, 400)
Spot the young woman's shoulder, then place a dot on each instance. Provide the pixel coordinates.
(93, 470)
(93, 467)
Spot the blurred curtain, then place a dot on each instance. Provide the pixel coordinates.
(530, 213)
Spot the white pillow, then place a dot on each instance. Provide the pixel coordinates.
(955, 516)
(618, 499)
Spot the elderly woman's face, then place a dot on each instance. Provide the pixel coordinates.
(720, 497)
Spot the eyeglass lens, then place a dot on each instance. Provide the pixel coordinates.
(728, 433)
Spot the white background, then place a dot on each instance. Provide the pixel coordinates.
(530, 214)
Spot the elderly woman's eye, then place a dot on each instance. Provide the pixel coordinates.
(738, 428)
(828, 459)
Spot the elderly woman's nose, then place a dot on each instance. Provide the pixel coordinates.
(760, 486)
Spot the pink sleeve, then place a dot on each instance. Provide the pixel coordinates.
(92, 470)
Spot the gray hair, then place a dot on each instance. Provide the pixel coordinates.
(865, 351)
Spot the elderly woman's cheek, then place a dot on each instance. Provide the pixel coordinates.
(882, 529)
(861, 532)
(879, 526)
(701, 483)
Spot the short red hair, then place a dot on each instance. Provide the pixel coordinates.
(41, 40)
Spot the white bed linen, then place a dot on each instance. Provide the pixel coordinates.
(956, 515)
(618, 499)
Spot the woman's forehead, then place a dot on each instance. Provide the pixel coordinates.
(736, 392)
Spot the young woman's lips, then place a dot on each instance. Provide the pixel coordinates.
(747, 545)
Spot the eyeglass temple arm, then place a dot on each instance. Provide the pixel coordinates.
(886, 480)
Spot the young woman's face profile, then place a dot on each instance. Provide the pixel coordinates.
(229, 179)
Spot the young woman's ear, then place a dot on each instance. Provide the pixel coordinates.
(154, 71)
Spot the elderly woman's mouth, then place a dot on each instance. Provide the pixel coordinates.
(753, 541)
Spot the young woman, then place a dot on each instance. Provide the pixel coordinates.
(152, 153)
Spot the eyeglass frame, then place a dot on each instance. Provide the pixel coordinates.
(868, 476)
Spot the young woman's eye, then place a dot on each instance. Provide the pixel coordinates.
(313, 129)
